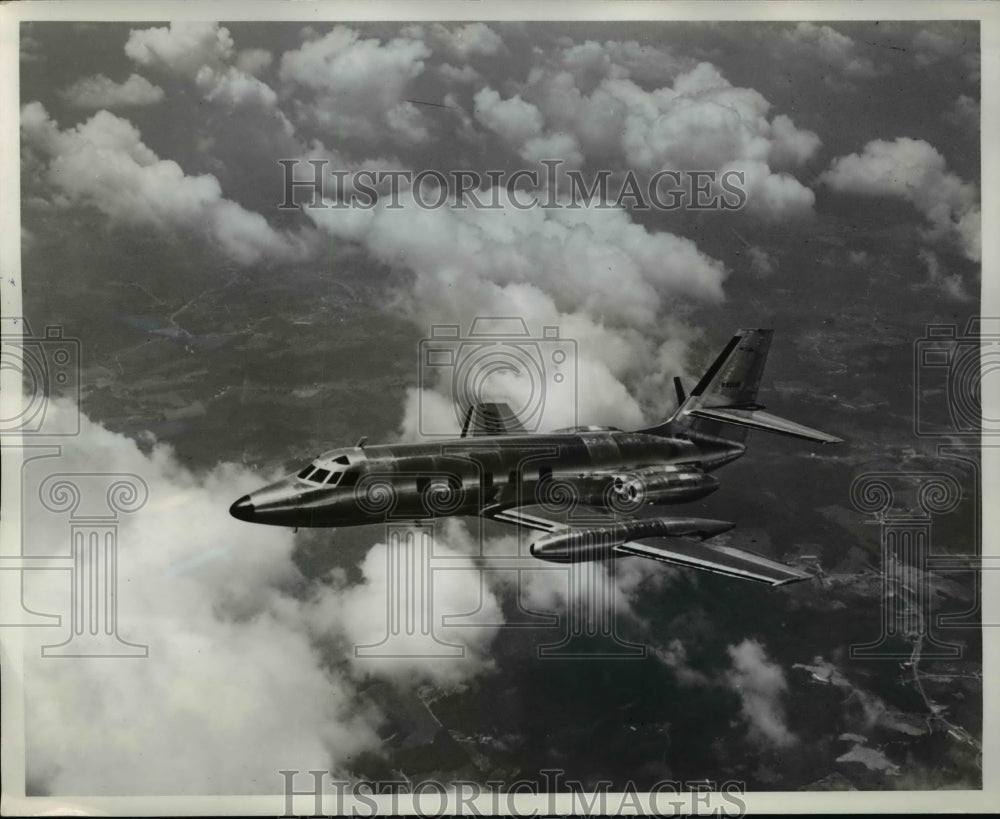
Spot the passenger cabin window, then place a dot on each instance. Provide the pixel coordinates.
(320, 475)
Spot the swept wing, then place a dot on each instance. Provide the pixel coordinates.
(686, 545)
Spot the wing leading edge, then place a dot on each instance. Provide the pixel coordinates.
(710, 557)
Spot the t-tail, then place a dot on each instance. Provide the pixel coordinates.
(724, 403)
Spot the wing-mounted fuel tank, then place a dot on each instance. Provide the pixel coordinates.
(599, 542)
(628, 489)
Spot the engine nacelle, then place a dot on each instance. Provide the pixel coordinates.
(631, 489)
(598, 542)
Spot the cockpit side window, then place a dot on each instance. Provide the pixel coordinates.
(342, 459)
(334, 477)
(320, 475)
(350, 478)
(306, 472)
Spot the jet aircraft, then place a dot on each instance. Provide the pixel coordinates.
(581, 488)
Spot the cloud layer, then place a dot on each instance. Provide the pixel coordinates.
(103, 162)
(233, 688)
(250, 669)
(700, 122)
(102, 92)
(915, 171)
(606, 282)
(357, 84)
(760, 683)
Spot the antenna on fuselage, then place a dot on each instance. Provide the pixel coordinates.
(361, 442)
(679, 389)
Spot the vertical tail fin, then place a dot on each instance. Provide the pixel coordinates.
(724, 403)
(734, 377)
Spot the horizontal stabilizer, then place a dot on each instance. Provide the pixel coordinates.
(758, 419)
(697, 554)
(495, 418)
(724, 403)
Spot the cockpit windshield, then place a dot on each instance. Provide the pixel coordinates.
(330, 473)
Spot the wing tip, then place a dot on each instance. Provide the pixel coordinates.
(797, 578)
(825, 437)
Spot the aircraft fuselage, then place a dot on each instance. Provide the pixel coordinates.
(463, 476)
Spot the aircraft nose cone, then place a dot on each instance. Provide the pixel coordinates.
(242, 509)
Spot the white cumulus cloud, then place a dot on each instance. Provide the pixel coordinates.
(950, 284)
(701, 122)
(520, 125)
(609, 284)
(760, 682)
(915, 171)
(251, 668)
(254, 60)
(234, 686)
(358, 84)
(103, 162)
(425, 648)
(204, 53)
(181, 47)
(462, 42)
(829, 46)
(100, 91)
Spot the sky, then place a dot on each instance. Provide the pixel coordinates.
(151, 227)
(145, 129)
